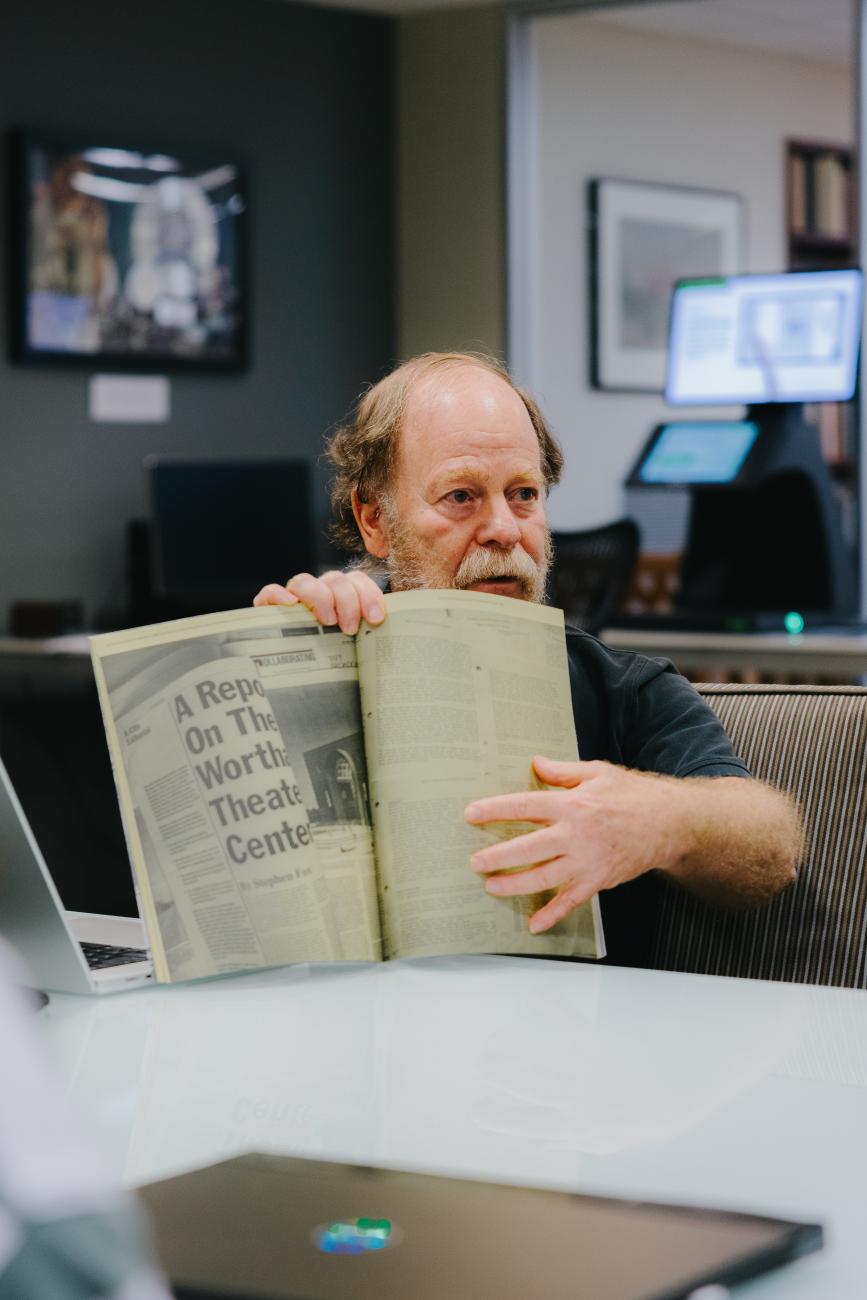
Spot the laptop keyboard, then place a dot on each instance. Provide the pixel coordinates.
(100, 955)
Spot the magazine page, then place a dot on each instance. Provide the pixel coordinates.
(459, 690)
(236, 745)
(313, 689)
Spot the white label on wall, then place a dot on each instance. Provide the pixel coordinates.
(129, 399)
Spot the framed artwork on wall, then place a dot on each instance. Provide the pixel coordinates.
(643, 238)
(127, 257)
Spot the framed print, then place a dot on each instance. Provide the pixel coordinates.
(127, 257)
(645, 237)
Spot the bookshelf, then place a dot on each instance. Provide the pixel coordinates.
(821, 234)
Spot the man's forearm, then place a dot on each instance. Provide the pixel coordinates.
(741, 842)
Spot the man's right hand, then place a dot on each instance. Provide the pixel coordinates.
(342, 598)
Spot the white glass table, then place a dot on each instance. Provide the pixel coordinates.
(680, 1088)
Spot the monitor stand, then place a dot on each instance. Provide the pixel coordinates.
(773, 543)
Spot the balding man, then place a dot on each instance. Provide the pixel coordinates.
(441, 482)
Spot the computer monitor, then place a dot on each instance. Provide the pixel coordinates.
(792, 337)
(220, 529)
(684, 453)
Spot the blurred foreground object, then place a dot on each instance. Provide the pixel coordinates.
(67, 1231)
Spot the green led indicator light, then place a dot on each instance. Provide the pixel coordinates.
(701, 281)
(794, 622)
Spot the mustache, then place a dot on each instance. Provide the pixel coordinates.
(483, 564)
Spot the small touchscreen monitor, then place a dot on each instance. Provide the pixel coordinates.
(699, 451)
(791, 337)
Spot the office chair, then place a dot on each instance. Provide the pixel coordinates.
(811, 743)
(592, 571)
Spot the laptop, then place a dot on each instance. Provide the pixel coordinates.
(290, 1229)
(66, 952)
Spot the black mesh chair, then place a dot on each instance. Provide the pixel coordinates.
(592, 571)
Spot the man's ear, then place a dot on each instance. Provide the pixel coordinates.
(372, 525)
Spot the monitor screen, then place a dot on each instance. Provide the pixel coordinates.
(696, 452)
(792, 337)
(221, 529)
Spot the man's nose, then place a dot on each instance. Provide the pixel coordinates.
(498, 525)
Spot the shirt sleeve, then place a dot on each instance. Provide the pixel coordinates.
(672, 730)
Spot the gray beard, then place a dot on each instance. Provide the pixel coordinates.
(409, 568)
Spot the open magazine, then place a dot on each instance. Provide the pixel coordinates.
(290, 793)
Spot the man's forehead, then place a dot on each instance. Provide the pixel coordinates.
(464, 401)
(459, 381)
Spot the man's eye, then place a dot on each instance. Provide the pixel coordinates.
(527, 494)
(459, 497)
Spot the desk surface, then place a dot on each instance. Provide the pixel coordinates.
(842, 652)
(53, 662)
(673, 1087)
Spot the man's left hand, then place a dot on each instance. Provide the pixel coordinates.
(729, 839)
(603, 826)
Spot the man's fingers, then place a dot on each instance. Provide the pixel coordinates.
(372, 602)
(560, 906)
(522, 851)
(274, 594)
(316, 595)
(554, 772)
(524, 806)
(346, 600)
(544, 875)
(336, 597)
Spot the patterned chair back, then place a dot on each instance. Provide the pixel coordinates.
(810, 741)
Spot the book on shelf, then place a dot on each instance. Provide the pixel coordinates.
(831, 196)
(799, 219)
(291, 793)
(819, 200)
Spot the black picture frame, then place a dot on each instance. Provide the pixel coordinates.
(642, 238)
(126, 256)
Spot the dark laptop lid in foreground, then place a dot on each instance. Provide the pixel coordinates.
(287, 1229)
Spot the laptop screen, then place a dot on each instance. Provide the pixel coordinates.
(53, 746)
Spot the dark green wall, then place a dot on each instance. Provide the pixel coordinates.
(302, 96)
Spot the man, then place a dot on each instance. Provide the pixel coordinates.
(441, 480)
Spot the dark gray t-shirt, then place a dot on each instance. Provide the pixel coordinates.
(643, 714)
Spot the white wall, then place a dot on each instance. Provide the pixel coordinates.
(593, 100)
